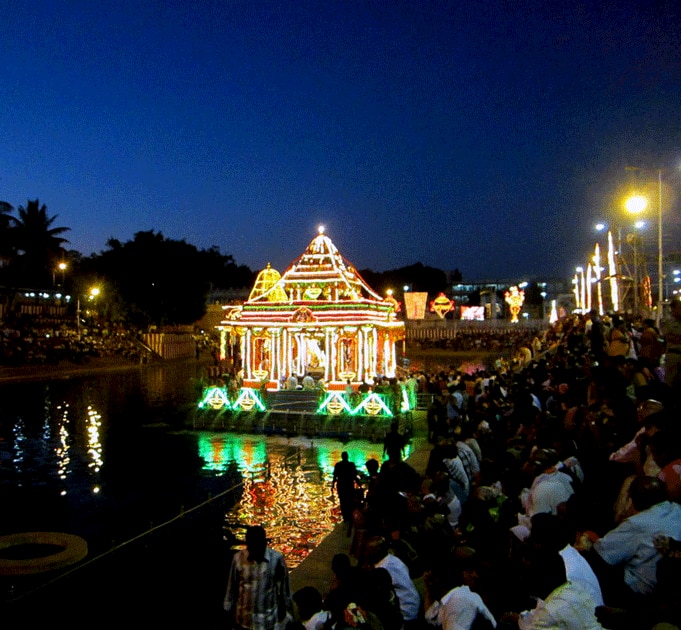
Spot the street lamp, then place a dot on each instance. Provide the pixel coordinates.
(61, 267)
(637, 204)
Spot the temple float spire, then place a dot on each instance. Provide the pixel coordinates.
(319, 317)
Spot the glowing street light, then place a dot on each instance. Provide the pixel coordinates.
(61, 267)
(637, 204)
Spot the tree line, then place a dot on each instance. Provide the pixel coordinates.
(149, 280)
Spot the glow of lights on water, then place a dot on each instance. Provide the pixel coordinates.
(94, 423)
(287, 491)
(327, 457)
(217, 453)
(62, 451)
(19, 435)
(296, 514)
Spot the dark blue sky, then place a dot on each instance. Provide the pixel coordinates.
(484, 136)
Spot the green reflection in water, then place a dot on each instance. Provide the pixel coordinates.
(285, 484)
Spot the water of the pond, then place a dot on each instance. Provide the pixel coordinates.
(113, 457)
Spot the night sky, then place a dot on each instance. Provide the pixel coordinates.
(478, 135)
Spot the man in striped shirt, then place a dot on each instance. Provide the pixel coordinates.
(258, 590)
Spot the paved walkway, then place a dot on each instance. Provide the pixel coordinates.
(315, 570)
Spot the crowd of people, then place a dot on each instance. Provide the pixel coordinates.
(550, 500)
(480, 340)
(31, 343)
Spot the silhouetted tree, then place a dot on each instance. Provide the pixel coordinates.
(417, 277)
(36, 245)
(160, 281)
(6, 248)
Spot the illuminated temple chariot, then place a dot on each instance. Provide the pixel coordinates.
(318, 319)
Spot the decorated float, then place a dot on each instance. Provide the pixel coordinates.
(317, 332)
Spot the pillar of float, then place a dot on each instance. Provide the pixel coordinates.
(330, 367)
(359, 337)
(223, 336)
(274, 340)
(247, 340)
(374, 351)
(285, 352)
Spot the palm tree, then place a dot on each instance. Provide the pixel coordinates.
(37, 244)
(5, 222)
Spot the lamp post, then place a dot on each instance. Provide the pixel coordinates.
(62, 267)
(637, 204)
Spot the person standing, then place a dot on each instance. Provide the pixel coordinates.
(258, 593)
(394, 442)
(650, 346)
(672, 336)
(345, 476)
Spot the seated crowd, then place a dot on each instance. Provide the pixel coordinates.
(33, 343)
(550, 500)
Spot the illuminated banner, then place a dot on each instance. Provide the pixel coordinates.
(415, 304)
(441, 305)
(473, 313)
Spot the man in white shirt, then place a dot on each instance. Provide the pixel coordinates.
(450, 603)
(631, 545)
(378, 555)
(560, 602)
(551, 535)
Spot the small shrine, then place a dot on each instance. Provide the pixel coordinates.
(319, 318)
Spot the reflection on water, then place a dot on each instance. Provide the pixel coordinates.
(110, 457)
(284, 484)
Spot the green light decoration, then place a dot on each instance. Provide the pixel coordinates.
(215, 398)
(248, 399)
(373, 405)
(404, 404)
(335, 403)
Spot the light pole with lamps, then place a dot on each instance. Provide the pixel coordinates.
(637, 204)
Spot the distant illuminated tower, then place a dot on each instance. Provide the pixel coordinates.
(515, 298)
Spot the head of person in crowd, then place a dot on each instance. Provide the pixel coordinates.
(645, 492)
(377, 548)
(309, 601)
(256, 543)
(341, 565)
(541, 460)
(548, 533)
(544, 573)
(647, 408)
(372, 465)
(444, 574)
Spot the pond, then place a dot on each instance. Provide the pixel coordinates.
(113, 458)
